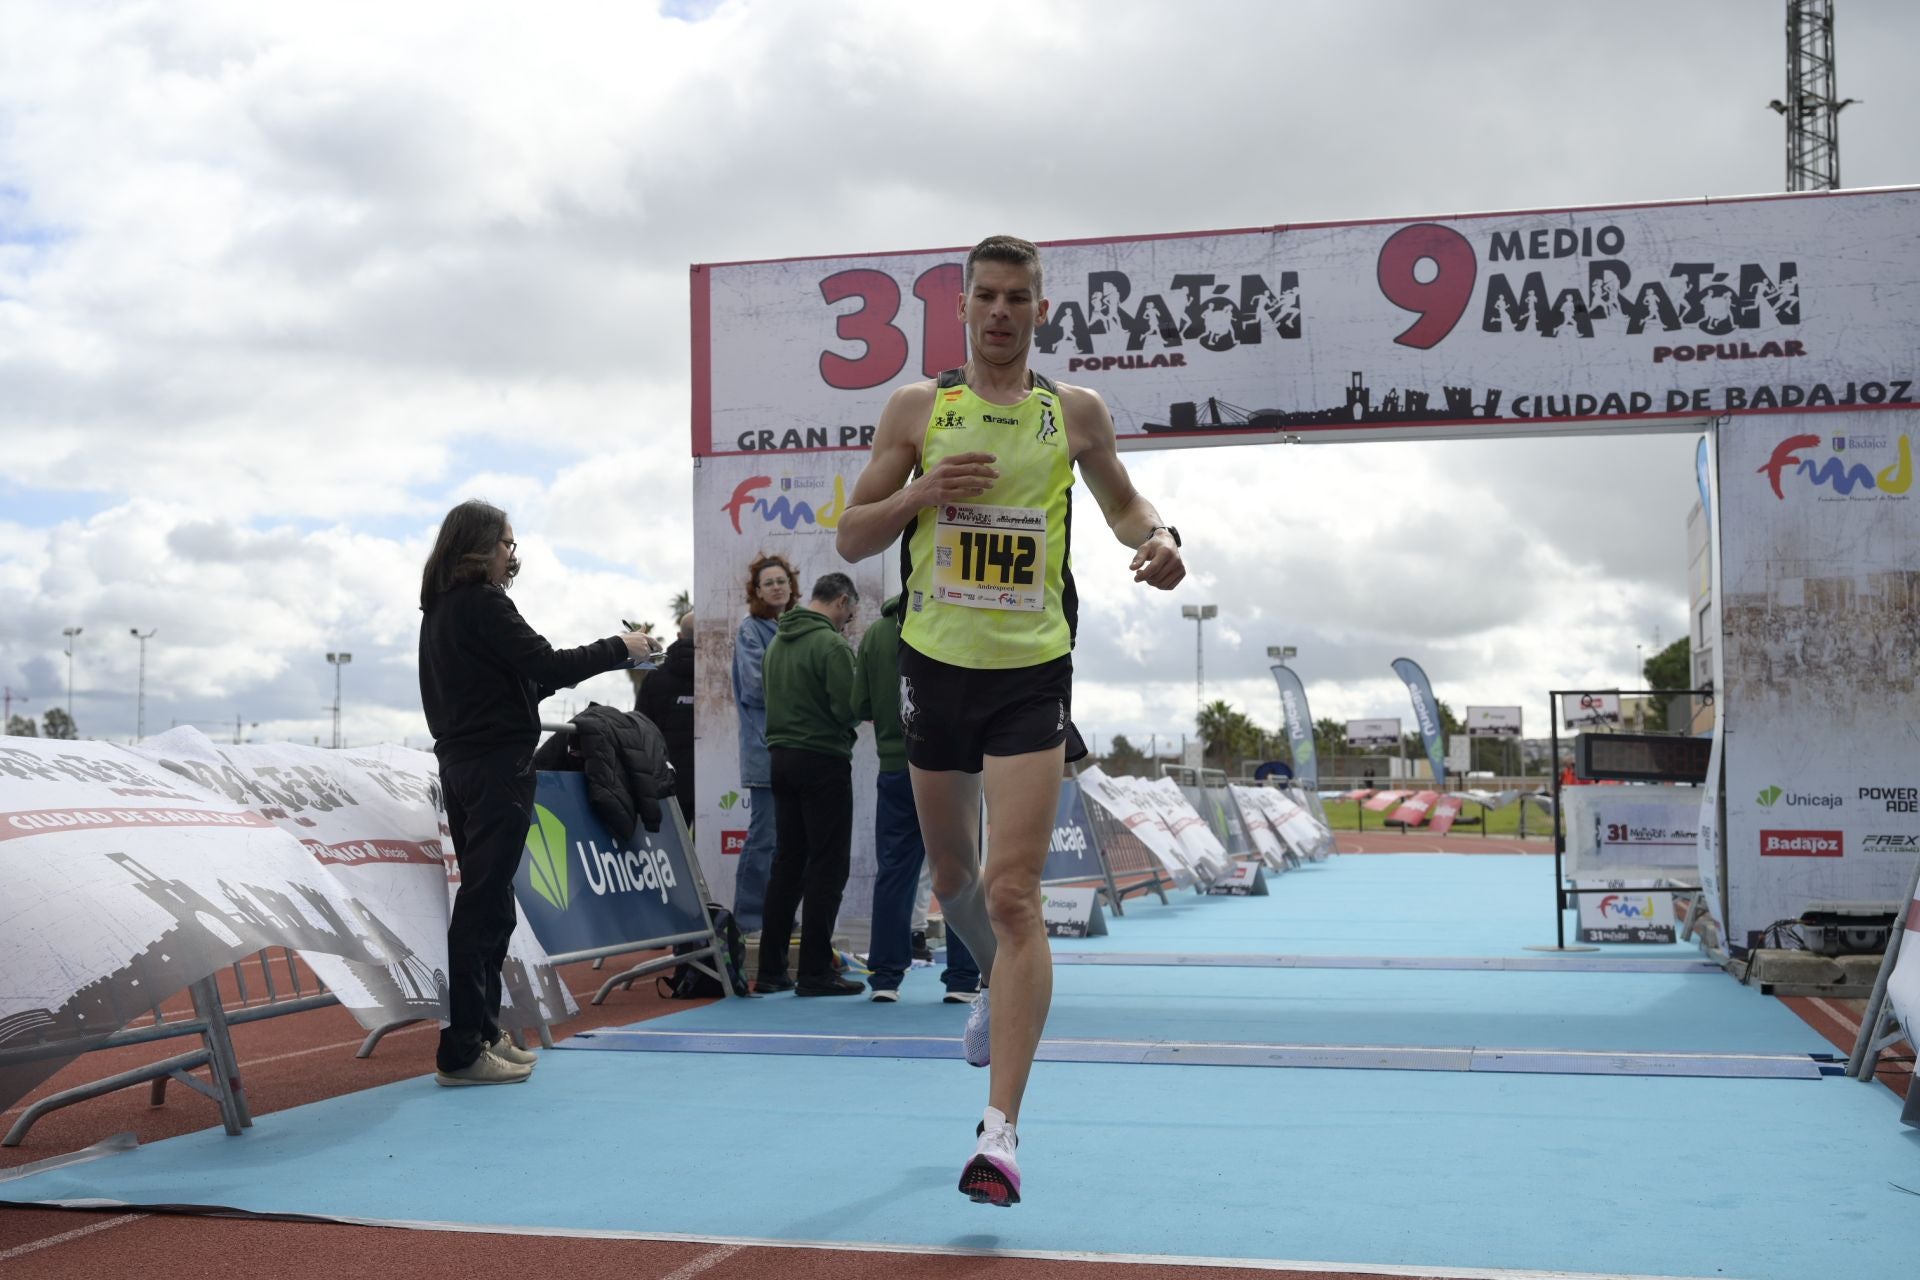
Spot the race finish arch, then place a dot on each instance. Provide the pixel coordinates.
(1786, 327)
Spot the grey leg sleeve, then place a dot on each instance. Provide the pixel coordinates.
(966, 915)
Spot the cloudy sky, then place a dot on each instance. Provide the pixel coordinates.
(281, 283)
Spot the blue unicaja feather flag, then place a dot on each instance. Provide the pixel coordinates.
(1293, 709)
(1427, 712)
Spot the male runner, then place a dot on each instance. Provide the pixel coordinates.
(976, 467)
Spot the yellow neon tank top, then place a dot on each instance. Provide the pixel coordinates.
(989, 584)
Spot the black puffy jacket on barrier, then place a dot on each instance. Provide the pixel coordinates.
(625, 760)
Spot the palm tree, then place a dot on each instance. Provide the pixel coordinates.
(682, 606)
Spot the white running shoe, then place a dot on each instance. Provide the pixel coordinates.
(993, 1175)
(977, 1041)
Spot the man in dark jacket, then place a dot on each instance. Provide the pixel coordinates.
(810, 732)
(897, 845)
(666, 698)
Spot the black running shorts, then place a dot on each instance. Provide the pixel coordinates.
(953, 717)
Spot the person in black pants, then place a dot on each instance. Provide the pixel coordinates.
(483, 674)
(810, 732)
(666, 698)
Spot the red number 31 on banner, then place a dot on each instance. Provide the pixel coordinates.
(943, 341)
(1439, 302)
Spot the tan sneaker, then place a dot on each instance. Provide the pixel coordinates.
(486, 1069)
(506, 1049)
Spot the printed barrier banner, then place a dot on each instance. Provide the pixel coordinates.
(1204, 850)
(1300, 830)
(744, 508)
(1298, 720)
(376, 819)
(1120, 798)
(1536, 320)
(1414, 811)
(583, 890)
(1445, 811)
(1632, 911)
(1073, 853)
(1260, 828)
(1820, 629)
(1222, 818)
(1636, 830)
(125, 883)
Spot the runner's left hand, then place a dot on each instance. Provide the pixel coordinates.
(1158, 564)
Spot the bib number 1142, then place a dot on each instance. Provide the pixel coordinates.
(1013, 554)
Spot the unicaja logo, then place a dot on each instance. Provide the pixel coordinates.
(547, 857)
(1770, 795)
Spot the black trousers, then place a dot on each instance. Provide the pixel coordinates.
(813, 832)
(489, 807)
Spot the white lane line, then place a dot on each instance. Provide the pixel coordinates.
(1316, 1267)
(1838, 1014)
(711, 1258)
(22, 1250)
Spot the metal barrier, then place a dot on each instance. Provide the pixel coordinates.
(211, 1021)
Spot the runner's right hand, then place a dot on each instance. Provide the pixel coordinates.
(959, 477)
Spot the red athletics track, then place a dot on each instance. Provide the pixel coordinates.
(307, 1057)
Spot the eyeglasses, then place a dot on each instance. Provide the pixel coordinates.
(510, 545)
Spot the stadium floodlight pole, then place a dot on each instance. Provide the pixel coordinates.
(71, 633)
(1199, 613)
(338, 660)
(140, 704)
(6, 717)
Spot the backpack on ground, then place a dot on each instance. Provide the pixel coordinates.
(687, 982)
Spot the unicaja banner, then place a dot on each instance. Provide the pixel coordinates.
(1690, 309)
(1299, 721)
(583, 890)
(1426, 713)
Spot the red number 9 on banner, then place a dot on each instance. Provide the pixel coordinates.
(1441, 301)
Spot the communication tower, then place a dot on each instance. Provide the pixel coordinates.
(1812, 112)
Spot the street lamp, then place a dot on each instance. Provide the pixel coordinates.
(1280, 653)
(140, 714)
(338, 660)
(71, 633)
(1199, 613)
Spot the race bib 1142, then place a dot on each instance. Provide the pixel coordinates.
(990, 557)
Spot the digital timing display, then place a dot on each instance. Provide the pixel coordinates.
(1640, 757)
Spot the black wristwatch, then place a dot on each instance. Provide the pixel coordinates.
(1171, 532)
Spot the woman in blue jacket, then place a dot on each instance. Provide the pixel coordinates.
(772, 589)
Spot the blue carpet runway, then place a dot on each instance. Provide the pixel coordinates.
(1453, 1167)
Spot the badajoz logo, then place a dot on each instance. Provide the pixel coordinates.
(607, 871)
(1798, 799)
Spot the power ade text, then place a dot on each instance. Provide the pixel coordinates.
(1898, 799)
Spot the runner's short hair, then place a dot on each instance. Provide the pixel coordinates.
(830, 587)
(1009, 249)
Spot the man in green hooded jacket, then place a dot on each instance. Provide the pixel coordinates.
(809, 681)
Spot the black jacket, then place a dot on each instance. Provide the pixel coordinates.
(483, 671)
(625, 760)
(666, 698)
